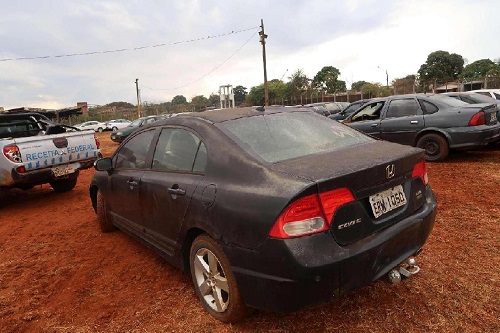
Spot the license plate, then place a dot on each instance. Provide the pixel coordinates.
(493, 117)
(63, 170)
(387, 200)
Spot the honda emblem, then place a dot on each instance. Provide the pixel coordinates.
(390, 171)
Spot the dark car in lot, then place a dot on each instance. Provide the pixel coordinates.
(348, 110)
(120, 135)
(276, 208)
(435, 123)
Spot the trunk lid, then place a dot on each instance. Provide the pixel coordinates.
(370, 171)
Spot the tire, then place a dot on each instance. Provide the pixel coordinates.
(435, 146)
(100, 130)
(216, 286)
(102, 214)
(65, 185)
(114, 129)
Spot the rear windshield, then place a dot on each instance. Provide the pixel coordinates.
(448, 100)
(281, 136)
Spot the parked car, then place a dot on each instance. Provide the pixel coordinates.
(435, 123)
(348, 110)
(97, 126)
(335, 107)
(493, 93)
(116, 124)
(472, 97)
(276, 208)
(319, 108)
(120, 135)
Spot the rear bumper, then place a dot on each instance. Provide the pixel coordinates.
(473, 136)
(287, 275)
(41, 176)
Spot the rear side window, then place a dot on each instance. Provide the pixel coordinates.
(402, 108)
(282, 136)
(179, 150)
(429, 107)
(133, 154)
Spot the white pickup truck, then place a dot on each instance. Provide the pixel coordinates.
(36, 151)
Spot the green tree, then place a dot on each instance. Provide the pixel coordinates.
(179, 100)
(404, 85)
(299, 83)
(240, 93)
(276, 89)
(356, 86)
(375, 90)
(214, 100)
(327, 80)
(199, 103)
(441, 67)
(478, 70)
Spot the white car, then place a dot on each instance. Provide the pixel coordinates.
(92, 125)
(493, 93)
(116, 124)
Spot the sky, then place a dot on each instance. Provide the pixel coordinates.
(191, 47)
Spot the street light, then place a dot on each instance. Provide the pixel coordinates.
(386, 77)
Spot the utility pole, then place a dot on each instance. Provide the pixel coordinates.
(138, 98)
(263, 37)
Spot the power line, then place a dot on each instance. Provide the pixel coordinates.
(129, 49)
(213, 70)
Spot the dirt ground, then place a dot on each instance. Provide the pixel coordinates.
(59, 273)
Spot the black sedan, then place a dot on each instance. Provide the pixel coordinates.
(120, 135)
(275, 209)
(435, 123)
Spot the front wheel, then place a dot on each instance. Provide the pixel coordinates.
(214, 281)
(114, 129)
(65, 185)
(435, 146)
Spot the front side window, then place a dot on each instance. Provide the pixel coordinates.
(133, 154)
(369, 112)
(179, 150)
(402, 108)
(281, 136)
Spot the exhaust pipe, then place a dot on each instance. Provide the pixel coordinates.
(405, 270)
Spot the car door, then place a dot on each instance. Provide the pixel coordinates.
(367, 119)
(166, 190)
(129, 164)
(402, 120)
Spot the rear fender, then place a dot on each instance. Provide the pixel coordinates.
(430, 130)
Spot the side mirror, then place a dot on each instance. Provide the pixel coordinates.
(103, 164)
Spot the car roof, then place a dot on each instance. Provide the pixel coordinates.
(218, 116)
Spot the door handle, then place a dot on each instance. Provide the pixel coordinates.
(132, 182)
(374, 125)
(176, 191)
(414, 122)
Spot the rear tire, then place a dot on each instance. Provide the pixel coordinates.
(214, 281)
(435, 146)
(100, 130)
(65, 185)
(102, 214)
(114, 129)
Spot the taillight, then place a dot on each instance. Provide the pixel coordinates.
(310, 215)
(21, 169)
(13, 153)
(419, 170)
(97, 142)
(478, 119)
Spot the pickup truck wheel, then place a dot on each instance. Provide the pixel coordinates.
(435, 146)
(102, 214)
(65, 185)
